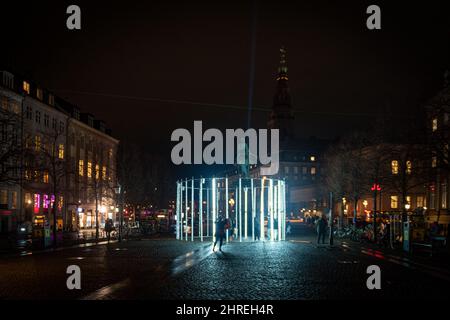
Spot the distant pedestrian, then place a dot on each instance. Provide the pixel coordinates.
(288, 228)
(220, 232)
(322, 225)
(108, 228)
(257, 229)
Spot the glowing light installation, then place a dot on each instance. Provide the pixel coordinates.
(250, 196)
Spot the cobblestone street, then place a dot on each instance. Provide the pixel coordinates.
(169, 269)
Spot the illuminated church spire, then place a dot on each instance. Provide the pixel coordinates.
(282, 116)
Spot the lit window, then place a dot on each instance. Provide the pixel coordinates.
(394, 166)
(408, 167)
(408, 200)
(37, 143)
(45, 177)
(420, 202)
(26, 87)
(444, 196)
(45, 201)
(3, 196)
(313, 158)
(394, 202)
(14, 200)
(104, 173)
(435, 124)
(313, 171)
(61, 202)
(61, 151)
(39, 94)
(434, 162)
(81, 167)
(89, 169)
(97, 172)
(28, 200)
(51, 99)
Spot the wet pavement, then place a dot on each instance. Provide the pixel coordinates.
(170, 269)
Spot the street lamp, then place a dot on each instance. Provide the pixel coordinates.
(118, 192)
(407, 206)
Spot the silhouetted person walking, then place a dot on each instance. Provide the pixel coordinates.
(322, 225)
(220, 232)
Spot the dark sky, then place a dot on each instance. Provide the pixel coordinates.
(129, 56)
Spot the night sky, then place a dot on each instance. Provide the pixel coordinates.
(148, 67)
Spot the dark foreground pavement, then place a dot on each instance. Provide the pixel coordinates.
(169, 269)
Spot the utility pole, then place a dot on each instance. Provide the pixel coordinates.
(375, 188)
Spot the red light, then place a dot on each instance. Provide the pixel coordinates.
(375, 187)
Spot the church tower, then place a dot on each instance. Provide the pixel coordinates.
(282, 115)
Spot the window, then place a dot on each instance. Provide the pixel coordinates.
(408, 200)
(38, 116)
(28, 174)
(394, 166)
(104, 173)
(312, 158)
(4, 197)
(97, 172)
(61, 202)
(46, 120)
(434, 124)
(89, 169)
(408, 167)
(286, 169)
(296, 170)
(26, 87)
(4, 103)
(54, 122)
(434, 162)
(45, 177)
(27, 199)
(51, 99)
(29, 113)
(394, 202)
(313, 171)
(39, 94)
(81, 167)
(304, 170)
(61, 151)
(420, 202)
(432, 197)
(37, 143)
(444, 196)
(61, 127)
(14, 200)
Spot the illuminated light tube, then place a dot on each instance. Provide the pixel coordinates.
(226, 206)
(192, 209)
(200, 205)
(261, 215)
(186, 212)
(207, 211)
(270, 196)
(276, 212)
(253, 208)
(240, 209)
(245, 213)
(213, 187)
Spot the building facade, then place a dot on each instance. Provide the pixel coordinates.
(52, 141)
